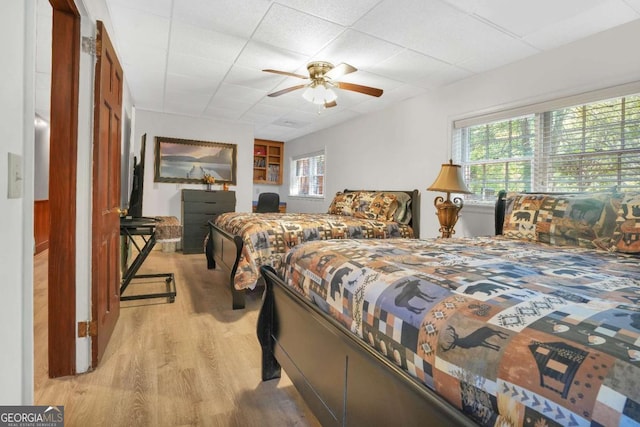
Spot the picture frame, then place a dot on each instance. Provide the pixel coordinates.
(186, 161)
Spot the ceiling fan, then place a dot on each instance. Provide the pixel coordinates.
(323, 77)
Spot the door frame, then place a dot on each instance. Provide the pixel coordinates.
(65, 70)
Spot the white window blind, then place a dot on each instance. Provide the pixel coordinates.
(587, 147)
(307, 175)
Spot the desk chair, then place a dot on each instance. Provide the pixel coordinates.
(268, 202)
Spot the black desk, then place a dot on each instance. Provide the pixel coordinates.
(146, 229)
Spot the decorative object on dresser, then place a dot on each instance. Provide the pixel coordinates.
(267, 161)
(449, 181)
(189, 161)
(199, 207)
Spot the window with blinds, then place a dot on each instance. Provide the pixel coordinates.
(588, 147)
(307, 176)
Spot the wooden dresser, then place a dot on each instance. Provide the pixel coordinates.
(198, 207)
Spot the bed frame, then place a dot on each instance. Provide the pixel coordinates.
(224, 249)
(343, 381)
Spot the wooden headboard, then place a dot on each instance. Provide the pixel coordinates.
(501, 206)
(415, 207)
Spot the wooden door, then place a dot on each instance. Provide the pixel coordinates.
(105, 264)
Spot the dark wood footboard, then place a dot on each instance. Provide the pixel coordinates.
(223, 250)
(343, 381)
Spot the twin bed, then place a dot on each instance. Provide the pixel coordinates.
(538, 325)
(240, 243)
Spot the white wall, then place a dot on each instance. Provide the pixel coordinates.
(17, 113)
(163, 199)
(402, 147)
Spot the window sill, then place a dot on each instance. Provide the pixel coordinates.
(479, 207)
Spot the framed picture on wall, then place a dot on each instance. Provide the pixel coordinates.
(187, 161)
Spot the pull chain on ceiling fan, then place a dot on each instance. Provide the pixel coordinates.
(323, 77)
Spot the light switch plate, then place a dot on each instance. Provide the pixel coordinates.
(15, 180)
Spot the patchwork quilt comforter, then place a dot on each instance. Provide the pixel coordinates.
(268, 236)
(509, 332)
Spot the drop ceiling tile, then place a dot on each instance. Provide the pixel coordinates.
(607, 15)
(143, 57)
(522, 18)
(192, 103)
(145, 28)
(252, 77)
(189, 40)
(148, 97)
(240, 93)
(277, 133)
(226, 108)
(338, 11)
(188, 84)
(370, 79)
(433, 28)
(262, 55)
(328, 120)
(357, 49)
(419, 69)
(147, 88)
(156, 7)
(496, 53)
(257, 119)
(266, 109)
(296, 31)
(198, 67)
(237, 18)
(297, 118)
(289, 100)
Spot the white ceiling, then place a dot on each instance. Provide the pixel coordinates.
(204, 58)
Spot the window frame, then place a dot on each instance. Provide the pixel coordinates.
(293, 178)
(540, 157)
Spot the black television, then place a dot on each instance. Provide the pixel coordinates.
(137, 183)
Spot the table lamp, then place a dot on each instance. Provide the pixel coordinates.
(449, 181)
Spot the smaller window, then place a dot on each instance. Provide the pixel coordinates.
(307, 175)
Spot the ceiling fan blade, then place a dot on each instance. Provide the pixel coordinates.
(286, 73)
(330, 104)
(340, 70)
(359, 88)
(287, 90)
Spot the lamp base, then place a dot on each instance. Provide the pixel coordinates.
(447, 214)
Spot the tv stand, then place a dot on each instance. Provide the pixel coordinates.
(146, 229)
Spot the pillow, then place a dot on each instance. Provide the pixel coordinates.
(627, 231)
(402, 215)
(585, 219)
(521, 215)
(342, 203)
(375, 205)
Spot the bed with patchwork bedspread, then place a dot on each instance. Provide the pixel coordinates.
(243, 242)
(540, 326)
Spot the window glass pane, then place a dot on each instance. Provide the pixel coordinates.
(307, 176)
(586, 147)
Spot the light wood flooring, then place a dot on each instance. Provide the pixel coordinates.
(195, 362)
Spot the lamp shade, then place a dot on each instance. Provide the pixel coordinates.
(450, 180)
(319, 94)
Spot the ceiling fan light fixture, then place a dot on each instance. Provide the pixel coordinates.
(319, 94)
